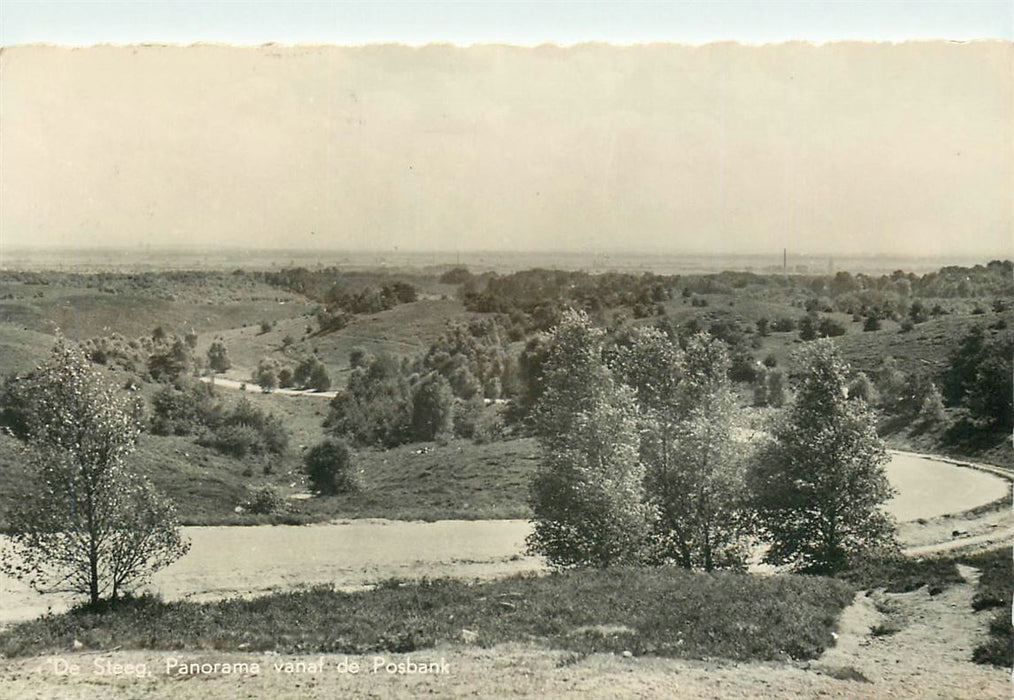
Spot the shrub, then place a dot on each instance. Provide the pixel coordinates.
(872, 323)
(328, 467)
(829, 328)
(457, 275)
(266, 374)
(183, 410)
(285, 378)
(783, 325)
(265, 500)
(218, 357)
(246, 430)
(234, 440)
(432, 404)
(807, 328)
(777, 389)
(319, 378)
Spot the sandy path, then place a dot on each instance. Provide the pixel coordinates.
(256, 388)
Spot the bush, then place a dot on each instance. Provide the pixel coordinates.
(265, 500)
(266, 374)
(247, 430)
(319, 378)
(183, 410)
(807, 328)
(777, 390)
(872, 323)
(285, 378)
(328, 468)
(829, 328)
(218, 357)
(234, 440)
(432, 404)
(783, 325)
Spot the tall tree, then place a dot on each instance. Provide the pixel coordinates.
(85, 523)
(695, 471)
(820, 483)
(587, 496)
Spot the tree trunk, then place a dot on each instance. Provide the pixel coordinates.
(93, 578)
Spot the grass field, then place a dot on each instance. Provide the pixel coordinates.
(459, 480)
(406, 330)
(648, 612)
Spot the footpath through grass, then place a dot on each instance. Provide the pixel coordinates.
(996, 579)
(657, 612)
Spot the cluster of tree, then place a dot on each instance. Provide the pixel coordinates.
(309, 374)
(640, 461)
(910, 395)
(979, 377)
(192, 408)
(84, 522)
(390, 402)
(159, 357)
(475, 357)
(812, 327)
(540, 296)
(343, 290)
(993, 279)
(382, 405)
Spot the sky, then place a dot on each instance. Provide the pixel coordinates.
(839, 148)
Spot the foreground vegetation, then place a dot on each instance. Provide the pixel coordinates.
(659, 612)
(996, 572)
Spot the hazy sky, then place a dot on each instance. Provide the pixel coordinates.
(839, 148)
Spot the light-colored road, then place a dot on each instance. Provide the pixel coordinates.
(229, 561)
(252, 388)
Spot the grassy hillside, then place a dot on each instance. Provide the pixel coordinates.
(459, 480)
(404, 331)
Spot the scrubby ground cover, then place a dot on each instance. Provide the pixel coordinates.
(993, 592)
(654, 612)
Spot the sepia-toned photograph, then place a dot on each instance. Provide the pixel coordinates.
(506, 350)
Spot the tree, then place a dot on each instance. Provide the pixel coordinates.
(432, 408)
(819, 484)
(963, 365)
(85, 522)
(218, 357)
(328, 467)
(266, 374)
(807, 328)
(587, 495)
(777, 393)
(319, 378)
(988, 396)
(695, 476)
(170, 363)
